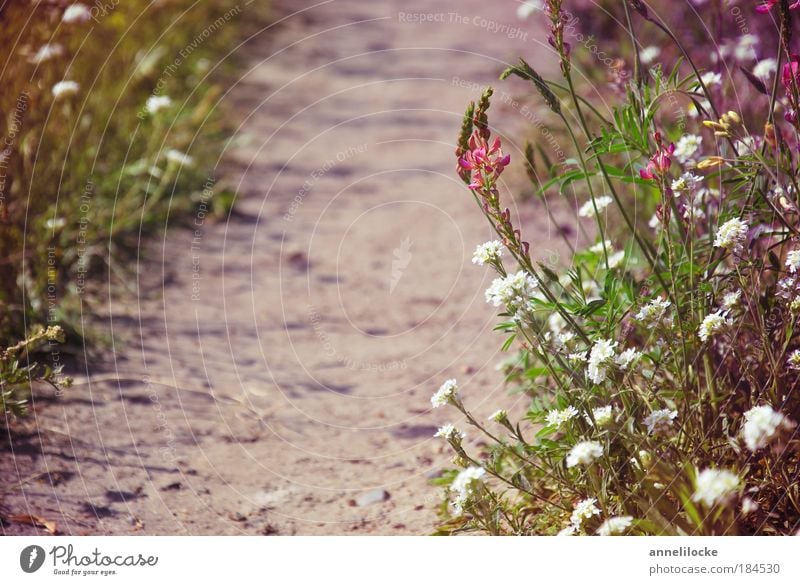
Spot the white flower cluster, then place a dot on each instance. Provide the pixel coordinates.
(794, 357)
(731, 299)
(600, 357)
(649, 54)
(584, 453)
(177, 157)
(762, 425)
(793, 261)
(686, 182)
(445, 393)
(556, 418)
(660, 421)
(732, 234)
(498, 416)
(711, 78)
(584, 510)
(687, 146)
(713, 324)
(602, 416)
(46, 52)
(715, 486)
(654, 311)
(487, 252)
(77, 13)
(615, 525)
(513, 290)
(588, 208)
(614, 258)
(765, 68)
(465, 484)
(598, 247)
(65, 88)
(156, 103)
(603, 355)
(450, 433)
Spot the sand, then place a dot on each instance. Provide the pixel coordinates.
(272, 372)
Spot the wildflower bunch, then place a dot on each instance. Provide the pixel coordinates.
(662, 363)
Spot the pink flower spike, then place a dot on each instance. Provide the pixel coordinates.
(767, 5)
(791, 72)
(660, 162)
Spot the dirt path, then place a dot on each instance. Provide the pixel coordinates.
(282, 374)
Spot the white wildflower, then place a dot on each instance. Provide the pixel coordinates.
(686, 182)
(748, 506)
(156, 103)
(731, 299)
(654, 222)
(466, 484)
(654, 311)
(577, 357)
(731, 234)
(715, 486)
(77, 13)
(556, 323)
(687, 146)
(745, 48)
(584, 453)
(449, 432)
(616, 259)
(794, 359)
(565, 341)
(649, 54)
(765, 68)
(793, 261)
(598, 247)
(660, 421)
(713, 324)
(603, 416)
(46, 52)
(584, 510)
(55, 223)
(711, 78)
(615, 525)
(487, 252)
(556, 418)
(761, 425)
(498, 416)
(568, 531)
(65, 88)
(178, 157)
(626, 358)
(513, 290)
(588, 209)
(528, 7)
(445, 394)
(600, 357)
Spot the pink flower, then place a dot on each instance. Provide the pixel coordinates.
(791, 72)
(660, 162)
(767, 5)
(486, 162)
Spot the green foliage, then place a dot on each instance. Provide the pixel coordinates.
(88, 172)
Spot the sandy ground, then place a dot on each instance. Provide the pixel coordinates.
(272, 375)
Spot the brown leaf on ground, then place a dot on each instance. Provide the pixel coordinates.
(37, 521)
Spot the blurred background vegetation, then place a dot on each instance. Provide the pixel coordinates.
(111, 126)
